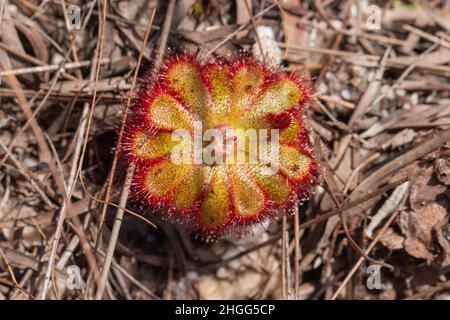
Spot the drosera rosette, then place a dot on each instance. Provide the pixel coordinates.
(231, 97)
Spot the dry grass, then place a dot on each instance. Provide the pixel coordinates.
(381, 126)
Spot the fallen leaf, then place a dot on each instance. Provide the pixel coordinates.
(418, 226)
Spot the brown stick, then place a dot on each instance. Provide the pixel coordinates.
(129, 177)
